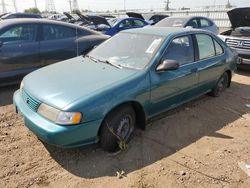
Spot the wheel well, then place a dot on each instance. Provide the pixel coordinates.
(139, 114)
(229, 73)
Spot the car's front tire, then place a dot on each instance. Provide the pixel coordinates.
(117, 126)
(221, 85)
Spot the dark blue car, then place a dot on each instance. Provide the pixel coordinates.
(120, 24)
(28, 44)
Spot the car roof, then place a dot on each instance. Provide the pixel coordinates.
(10, 22)
(162, 31)
(188, 17)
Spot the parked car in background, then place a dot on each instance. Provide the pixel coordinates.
(110, 26)
(196, 22)
(123, 83)
(55, 16)
(120, 24)
(152, 20)
(20, 15)
(238, 37)
(28, 44)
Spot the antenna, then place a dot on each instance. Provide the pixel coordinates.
(50, 6)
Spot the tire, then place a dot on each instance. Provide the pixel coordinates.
(122, 123)
(221, 85)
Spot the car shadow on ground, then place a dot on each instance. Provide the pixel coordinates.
(6, 94)
(163, 137)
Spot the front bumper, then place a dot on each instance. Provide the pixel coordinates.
(51, 133)
(243, 61)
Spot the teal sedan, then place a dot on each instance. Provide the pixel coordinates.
(122, 84)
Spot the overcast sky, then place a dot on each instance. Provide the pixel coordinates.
(63, 5)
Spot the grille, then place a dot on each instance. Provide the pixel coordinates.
(30, 101)
(237, 43)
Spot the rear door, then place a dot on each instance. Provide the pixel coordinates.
(211, 61)
(19, 52)
(58, 43)
(171, 88)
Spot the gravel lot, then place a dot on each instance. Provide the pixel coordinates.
(196, 145)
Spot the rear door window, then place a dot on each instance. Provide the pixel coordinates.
(180, 49)
(125, 24)
(193, 23)
(205, 23)
(205, 45)
(138, 23)
(56, 32)
(19, 33)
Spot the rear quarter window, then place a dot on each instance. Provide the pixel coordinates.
(218, 48)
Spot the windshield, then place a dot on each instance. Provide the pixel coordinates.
(129, 50)
(171, 22)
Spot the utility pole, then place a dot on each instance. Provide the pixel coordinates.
(50, 6)
(14, 3)
(3, 7)
(167, 4)
(35, 3)
(124, 5)
(70, 6)
(75, 5)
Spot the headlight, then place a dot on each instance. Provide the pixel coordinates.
(59, 117)
(21, 85)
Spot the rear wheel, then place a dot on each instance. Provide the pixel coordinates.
(117, 126)
(221, 85)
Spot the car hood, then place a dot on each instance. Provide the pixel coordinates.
(63, 83)
(68, 15)
(98, 20)
(239, 17)
(135, 15)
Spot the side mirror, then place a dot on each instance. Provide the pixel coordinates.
(167, 65)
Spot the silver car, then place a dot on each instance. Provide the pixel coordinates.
(198, 22)
(238, 37)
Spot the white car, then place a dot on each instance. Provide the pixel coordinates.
(238, 37)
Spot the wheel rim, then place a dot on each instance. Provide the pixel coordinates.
(222, 83)
(124, 127)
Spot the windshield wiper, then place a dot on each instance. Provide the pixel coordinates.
(113, 64)
(92, 58)
(103, 61)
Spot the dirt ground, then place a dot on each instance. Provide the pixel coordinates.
(196, 145)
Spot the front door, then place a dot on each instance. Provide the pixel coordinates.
(171, 88)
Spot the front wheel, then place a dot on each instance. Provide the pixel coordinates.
(221, 85)
(117, 127)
